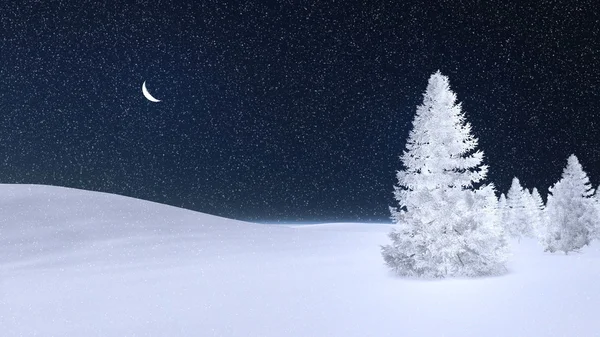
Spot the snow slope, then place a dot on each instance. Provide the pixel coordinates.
(80, 263)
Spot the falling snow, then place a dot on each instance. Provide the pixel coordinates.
(290, 110)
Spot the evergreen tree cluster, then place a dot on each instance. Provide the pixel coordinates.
(568, 221)
(448, 221)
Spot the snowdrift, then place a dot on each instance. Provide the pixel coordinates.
(80, 263)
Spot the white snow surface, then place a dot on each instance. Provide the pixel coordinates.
(80, 263)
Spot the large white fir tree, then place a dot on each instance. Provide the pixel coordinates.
(572, 215)
(444, 225)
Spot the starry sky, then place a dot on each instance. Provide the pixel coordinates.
(287, 111)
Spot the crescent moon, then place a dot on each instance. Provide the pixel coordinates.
(147, 94)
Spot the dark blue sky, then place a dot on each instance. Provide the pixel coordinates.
(291, 110)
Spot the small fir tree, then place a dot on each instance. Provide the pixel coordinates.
(537, 213)
(517, 221)
(502, 210)
(572, 215)
(596, 200)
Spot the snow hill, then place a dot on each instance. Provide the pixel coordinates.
(80, 263)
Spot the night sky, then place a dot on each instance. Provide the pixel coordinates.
(292, 110)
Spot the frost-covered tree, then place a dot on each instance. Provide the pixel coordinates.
(517, 219)
(537, 199)
(597, 202)
(502, 210)
(537, 214)
(572, 215)
(444, 225)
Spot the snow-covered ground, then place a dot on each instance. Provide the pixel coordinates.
(79, 263)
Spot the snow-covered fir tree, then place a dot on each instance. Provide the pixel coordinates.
(596, 200)
(517, 218)
(537, 199)
(502, 210)
(572, 215)
(537, 213)
(444, 225)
